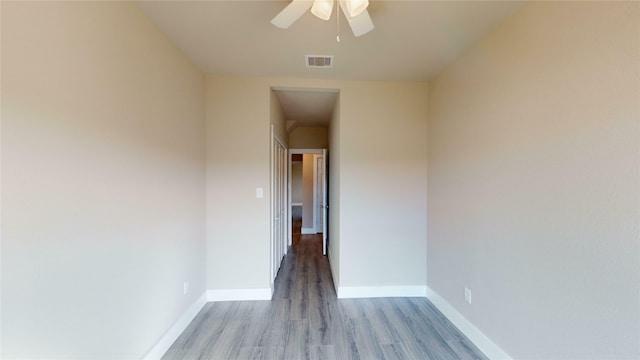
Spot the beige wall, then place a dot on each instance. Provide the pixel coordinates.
(102, 181)
(296, 182)
(277, 118)
(309, 138)
(238, 156)
(333, 196)
(365, 174)
(533, 182)
(307, 191)
(383, 175)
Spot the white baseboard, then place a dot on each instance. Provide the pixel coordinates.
(488, 347)
(239, 294)
(161, 347)
(306, 231)
(346, 292)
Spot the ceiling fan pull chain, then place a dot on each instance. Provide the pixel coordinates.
(338, 21)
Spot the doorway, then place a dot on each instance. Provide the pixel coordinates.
(308, 192)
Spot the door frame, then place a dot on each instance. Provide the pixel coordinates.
(320, 152)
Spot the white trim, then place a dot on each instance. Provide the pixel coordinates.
(289, 184)
(305, 151)
(239, 294)
(165, 342)
(347, 292)
(307, 231)
(488, 347)
(290, 206)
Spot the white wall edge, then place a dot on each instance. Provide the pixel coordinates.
(347, 292)
(488, 347)
(165, 342)
(239, 294)
(307, 231)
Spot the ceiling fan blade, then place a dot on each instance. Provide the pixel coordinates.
(360, 24)
(291, 13)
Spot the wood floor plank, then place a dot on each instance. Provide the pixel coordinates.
(343, 335)
(277, 330)
(297, 344)
(427, 311)
(319, 332)
(249, 353)
(272, 353)
(322, 352)
(368, 346)
(433, 344)
(260, 314)
(402, 331)
(395, 351)
(305, 320)
(379, 322)
(228, 345)
(352, 308)
(466, 350)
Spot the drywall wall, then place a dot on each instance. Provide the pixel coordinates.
(309, 138)
(277, 118)
(308, 222)
(533, 182)
(383, 172)
(378, 169)
(102, 182)
(333, 189)
(296, 182)
(238, 158)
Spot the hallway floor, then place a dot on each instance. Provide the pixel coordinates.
(305, 320)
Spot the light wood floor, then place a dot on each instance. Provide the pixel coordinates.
(305, 320)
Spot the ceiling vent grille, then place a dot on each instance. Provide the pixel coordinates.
(319, 61)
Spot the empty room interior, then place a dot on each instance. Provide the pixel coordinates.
(481, 160)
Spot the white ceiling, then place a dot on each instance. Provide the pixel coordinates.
(412, 40)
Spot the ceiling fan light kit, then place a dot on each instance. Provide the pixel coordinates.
(355, 11)
(322, 9)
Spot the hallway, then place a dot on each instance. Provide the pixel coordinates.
(305, 320)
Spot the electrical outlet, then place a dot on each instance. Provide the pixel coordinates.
(467, 295)
(186, 287)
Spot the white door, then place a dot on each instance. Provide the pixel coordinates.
(278, 202)
(320, 193)
(325, 205)
(321, 189)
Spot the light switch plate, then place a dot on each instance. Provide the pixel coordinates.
(259, 193)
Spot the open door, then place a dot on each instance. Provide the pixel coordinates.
(279, 210)
(321, 196)
(324, 207)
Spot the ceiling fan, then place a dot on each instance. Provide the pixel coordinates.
(354, 10)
